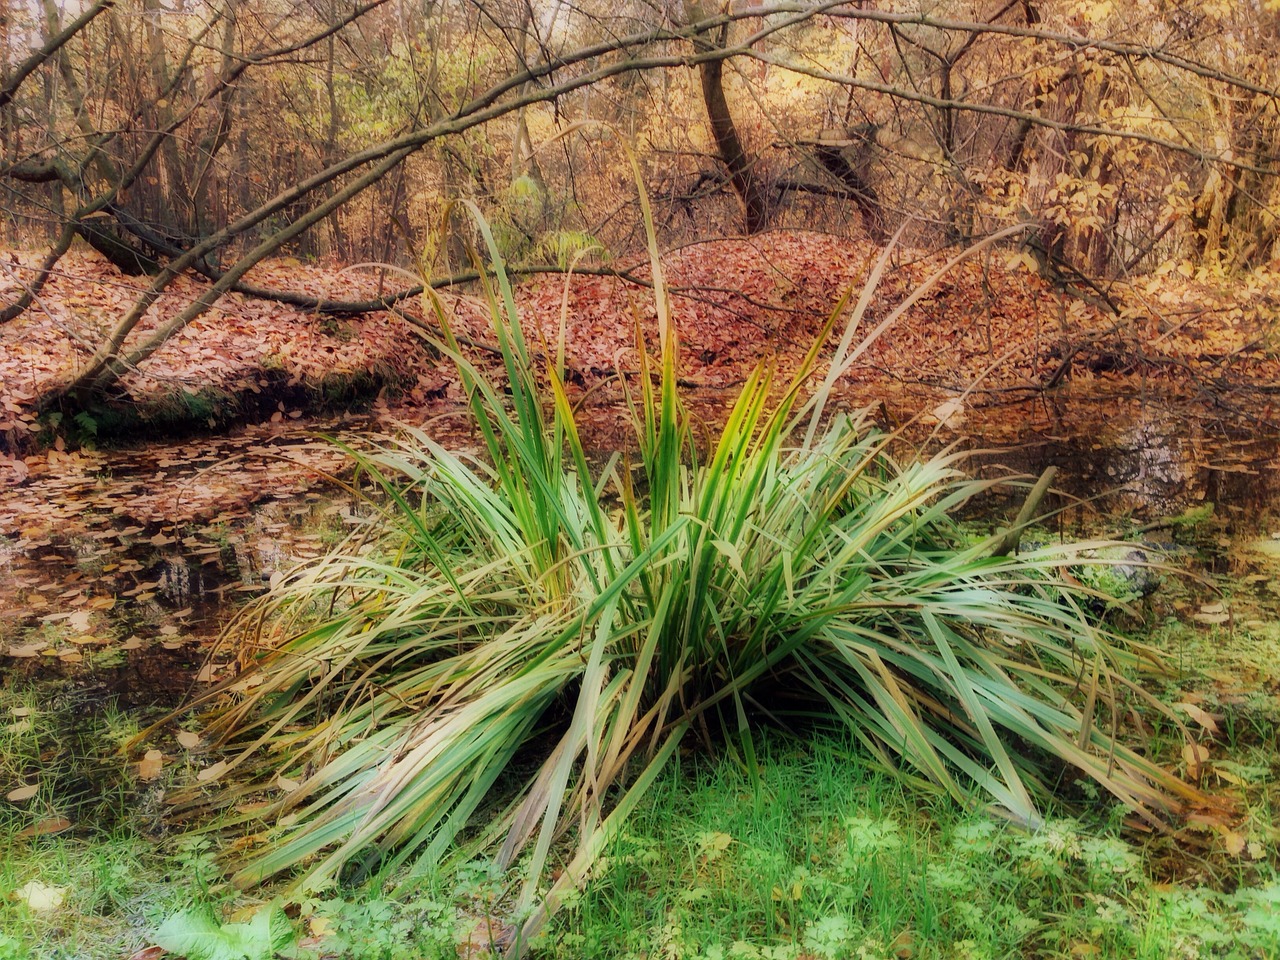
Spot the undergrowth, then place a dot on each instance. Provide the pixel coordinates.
(603, 618)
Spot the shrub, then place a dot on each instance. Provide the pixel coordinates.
(522, 604)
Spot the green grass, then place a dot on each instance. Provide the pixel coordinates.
(819, 855)
(103, 867)
(824, 857)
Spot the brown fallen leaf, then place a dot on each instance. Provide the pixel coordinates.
(1234, 842)
(1200, 716)
(188, 739)
(79, 621)
(1195, 756)
(213, 772)
(46, 827)
(285, 784)
(151, 765)
(22, 793)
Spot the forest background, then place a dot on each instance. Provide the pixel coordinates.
(187, 139)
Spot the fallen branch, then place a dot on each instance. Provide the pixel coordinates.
(1008, 542)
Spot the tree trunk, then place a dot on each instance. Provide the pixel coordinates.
(830, 152)
(742, 173)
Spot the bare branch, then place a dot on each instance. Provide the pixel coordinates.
(51, 46)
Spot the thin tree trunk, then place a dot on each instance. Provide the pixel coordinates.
(729, 147)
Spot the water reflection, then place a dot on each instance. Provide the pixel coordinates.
(1147, 460)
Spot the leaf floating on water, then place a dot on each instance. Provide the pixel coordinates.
(22, 793)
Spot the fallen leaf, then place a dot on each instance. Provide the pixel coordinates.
(22, 793)
(949, 413)
(1211, 618)
(1195, 755)
(151, 765)
(321, 926)
(213, 772)
(46, 827)
(1200, 716)
(79, 621)
(40, 897)
(285, 784)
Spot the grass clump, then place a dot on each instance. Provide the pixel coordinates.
(537, 639)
